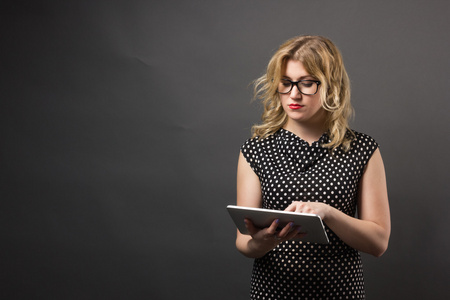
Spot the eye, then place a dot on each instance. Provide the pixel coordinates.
(285, 83)
(307, 84)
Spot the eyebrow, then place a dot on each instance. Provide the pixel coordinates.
(307, 77)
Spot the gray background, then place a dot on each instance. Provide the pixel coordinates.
(121, 123)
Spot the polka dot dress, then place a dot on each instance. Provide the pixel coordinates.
(290, 169)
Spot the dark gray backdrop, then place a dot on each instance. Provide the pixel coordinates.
(121, 123)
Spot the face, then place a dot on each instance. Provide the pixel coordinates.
(301, 109)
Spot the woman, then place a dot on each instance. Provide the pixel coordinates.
(304, 158)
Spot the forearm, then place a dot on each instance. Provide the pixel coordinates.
(363, 235)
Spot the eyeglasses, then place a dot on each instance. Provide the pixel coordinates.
(306, 87)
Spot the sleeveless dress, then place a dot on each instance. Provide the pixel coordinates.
(290, 169)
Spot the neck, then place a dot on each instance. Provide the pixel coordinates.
(308, 132)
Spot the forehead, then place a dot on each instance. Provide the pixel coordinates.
(295, 69)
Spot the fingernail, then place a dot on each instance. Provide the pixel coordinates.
(277, 221)
(291, 224)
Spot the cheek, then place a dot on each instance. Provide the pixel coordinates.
(283, 100)
(317, 104)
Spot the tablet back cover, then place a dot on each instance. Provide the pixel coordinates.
(310, 223)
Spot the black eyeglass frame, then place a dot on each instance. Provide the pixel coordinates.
(296, 84)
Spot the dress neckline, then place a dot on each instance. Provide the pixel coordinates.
(291, 137)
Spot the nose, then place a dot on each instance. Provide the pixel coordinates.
(295, 92)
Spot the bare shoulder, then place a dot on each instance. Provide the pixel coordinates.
(248, 185)
(373, 201)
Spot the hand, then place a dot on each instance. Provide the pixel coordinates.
(316, 208)
(268, 238)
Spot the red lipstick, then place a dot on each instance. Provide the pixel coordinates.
(295, 106)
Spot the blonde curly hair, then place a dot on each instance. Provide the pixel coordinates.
(322, 60)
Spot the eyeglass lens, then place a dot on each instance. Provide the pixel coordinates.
(307, 87)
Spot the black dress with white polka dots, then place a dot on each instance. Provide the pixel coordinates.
(290, 169)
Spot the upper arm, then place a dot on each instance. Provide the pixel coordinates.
(373, 202)
(248, 185)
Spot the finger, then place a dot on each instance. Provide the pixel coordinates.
(296, 206)
(296, 233)
(300, 207)
(286, 230)
(291, 207)
(292, 232)
(250, 227)
(273, 227)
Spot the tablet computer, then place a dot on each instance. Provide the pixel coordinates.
(310, 223)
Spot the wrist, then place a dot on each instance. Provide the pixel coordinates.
(328, 213)
(258, 248)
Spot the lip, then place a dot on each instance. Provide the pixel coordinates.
(295, 106)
